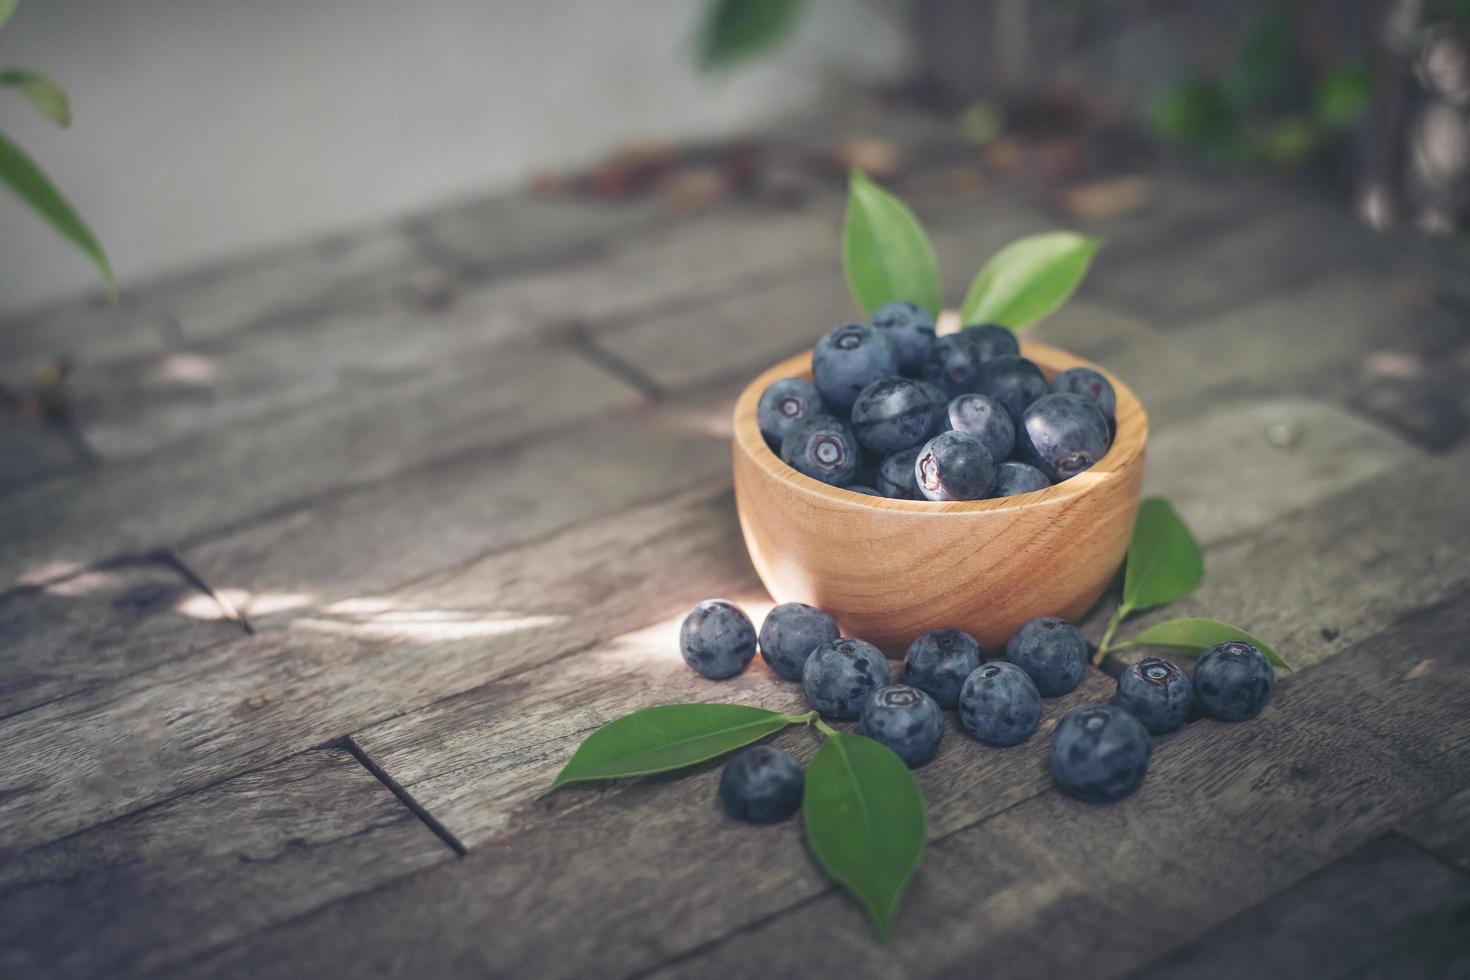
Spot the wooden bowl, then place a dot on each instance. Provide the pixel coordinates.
(890, 570)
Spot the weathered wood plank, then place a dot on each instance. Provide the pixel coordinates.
(1229, 814)
(1362, 738)
(210, 484)
(31, 451)
(140, 893)
(1444, 828)
(101, 624)
(1386, 904)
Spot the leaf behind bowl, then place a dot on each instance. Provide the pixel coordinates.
(1028, 279)
(885, 254)
(865, 822)
(667, 736)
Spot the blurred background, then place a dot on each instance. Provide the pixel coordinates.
(208, 129)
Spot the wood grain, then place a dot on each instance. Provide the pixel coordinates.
(890, 570)
(100, 625)
(1385, 905)
(1444, 828)
(209, 868)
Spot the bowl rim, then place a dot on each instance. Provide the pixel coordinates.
(1125, 452)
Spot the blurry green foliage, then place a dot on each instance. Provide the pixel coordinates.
(737, 30)
(25, 179)
(1230, 117)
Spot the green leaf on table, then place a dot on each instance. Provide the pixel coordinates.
(1028, 279)
(1343, 94)
(31, 185)
(865, 822)
(1198, 635)
(740, 29)
(669, 736)
(47, 97)
(1164, 563)
(885, 253)
(7, 7)
(1260, 67)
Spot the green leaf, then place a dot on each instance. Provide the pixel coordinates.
(1261, 65)
(885, 253)
(740, 29)
(1164, 563)
(26, 179)
(865, 822)
(48, 98)
(1343, 94)
(1028, 279)
(665, 737)
(1198, 635)
(7, 7)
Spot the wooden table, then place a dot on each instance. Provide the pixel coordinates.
(349, 544)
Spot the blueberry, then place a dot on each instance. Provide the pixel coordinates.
(940, 403)
(848, 359)
(999, 704)
(905, 719)
(911, 329)
(953, 365)
(1157, 693)
(991, 340)
(1063, 434)
(984, 418)
(892, 414)
(840, 674)
(1233, 681)
(790, 633)
(823, 448)
(896, 477)
(1052, 652)
(717, 639)
(1012, 478)
(954, 466)
(859, 488)
(1013, 381)
(938, 663)
(1090, 385)
(785, 402)
(1100, 753)
(761, 785)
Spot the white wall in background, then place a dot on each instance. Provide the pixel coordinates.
(208, 127)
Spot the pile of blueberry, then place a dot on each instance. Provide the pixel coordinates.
(1099, 753)
(894, 411)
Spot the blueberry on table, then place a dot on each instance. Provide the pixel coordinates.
(1012, 477)
(892, 414)
(896, 477)
(938, 662)
(717, 639)
(954, 466)
(911, 329)
(1013, 381)
(1099, 754)
(984, 418)
(790, 633)
(848, 359)
(1063, 434)
(761, 784)
(992, 340)
(1233, 681)
(840, 674)
(1157, 693)
(953, 365)
(823, 448)
(905, 719)
(1000, 705)
(1052, 652)
(1090, 385)
(784, 403)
